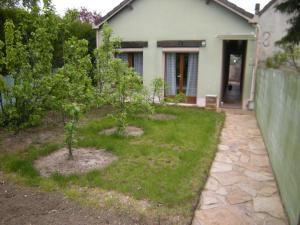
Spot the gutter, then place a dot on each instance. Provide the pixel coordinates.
(250, 103)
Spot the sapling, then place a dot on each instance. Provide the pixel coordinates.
(73, 92)
(128, 96)
(117, 84)
(73, 112)
(104, 56)
(157, 88)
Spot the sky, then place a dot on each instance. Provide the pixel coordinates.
(104, 6)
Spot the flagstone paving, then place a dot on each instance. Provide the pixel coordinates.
(241, 189)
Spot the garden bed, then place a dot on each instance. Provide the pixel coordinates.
(166, 167)
(85, 160)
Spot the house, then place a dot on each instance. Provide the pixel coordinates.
(273, 25)
(191, 44)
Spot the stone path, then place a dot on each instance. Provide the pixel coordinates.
(241, 189)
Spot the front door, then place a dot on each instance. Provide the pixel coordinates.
(181, 75)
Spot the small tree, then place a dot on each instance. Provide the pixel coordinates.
(158, 85)
(73, 111)
(119, 85)
(104, 56)
(128, 95)
(72, 88)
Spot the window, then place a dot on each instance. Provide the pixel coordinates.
(134, 59)
(181, 75)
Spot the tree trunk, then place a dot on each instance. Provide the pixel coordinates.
(71, 157)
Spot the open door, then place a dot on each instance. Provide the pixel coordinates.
(234, 57)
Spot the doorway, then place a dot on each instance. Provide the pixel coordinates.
(234, 57)
(181, 75)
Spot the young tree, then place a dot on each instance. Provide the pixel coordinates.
(128, 95)
(73, 93)
(158, 85)
(118, 84)
(104, 56)
(73, 111)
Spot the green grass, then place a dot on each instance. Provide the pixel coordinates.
(168, 165)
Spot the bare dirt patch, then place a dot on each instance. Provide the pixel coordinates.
(24, 206)
(51, 130)
(85, 159)
(130, 131)
(10, 142)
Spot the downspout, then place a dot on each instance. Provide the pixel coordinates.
(250, 103)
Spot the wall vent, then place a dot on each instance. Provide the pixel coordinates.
(211, 101)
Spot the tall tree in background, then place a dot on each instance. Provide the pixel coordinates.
(73, 25)
(89, 17)
(291, 7)
(18, 3)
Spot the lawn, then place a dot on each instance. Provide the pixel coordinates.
(166, 167)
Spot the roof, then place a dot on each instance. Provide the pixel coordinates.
(272, 2)
(225, 3)
(236, 9)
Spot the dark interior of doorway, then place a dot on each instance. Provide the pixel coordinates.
(234, 57)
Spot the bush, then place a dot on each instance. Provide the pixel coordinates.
(288, 56)
(28, 60)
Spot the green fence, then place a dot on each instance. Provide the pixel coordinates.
(278, 115)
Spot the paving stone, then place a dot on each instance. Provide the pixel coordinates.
(250, 187)
(259, 160)
(228, 178)
(237, 196)
(271, 205)
(222, 157)
(233, 157)
(258, 149)
(206, 200)
(221, 216)
(222, 191)
(267, 191)
(241, 189)
(247, 166)
(221, 167)
(210, 200)
(259, 176)
(211, 184)
(244, 158)
(223, 148)
(266, 219)
(274, 221)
